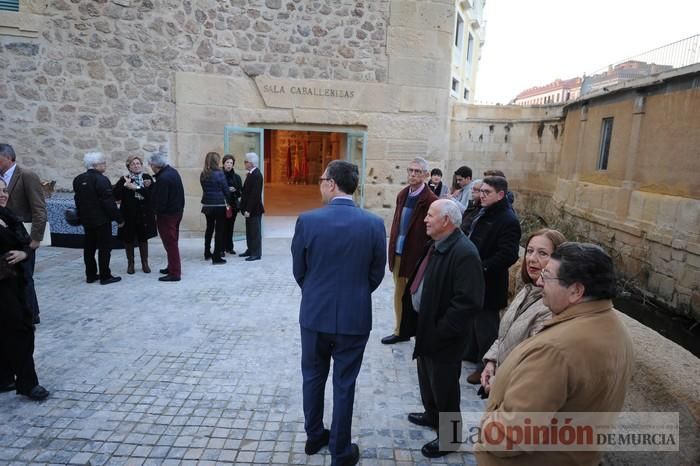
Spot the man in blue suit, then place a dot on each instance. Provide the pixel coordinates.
(339, 255)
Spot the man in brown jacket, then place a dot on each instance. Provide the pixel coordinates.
(408, 237)
(581, 361)
(28, 203)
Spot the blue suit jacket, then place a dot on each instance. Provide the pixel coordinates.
(339, 256)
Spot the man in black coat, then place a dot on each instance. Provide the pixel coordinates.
(447, 289)
(252, 208)
(97, 210)
(495, 231)
(168, 204)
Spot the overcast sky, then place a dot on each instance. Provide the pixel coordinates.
(533, 42)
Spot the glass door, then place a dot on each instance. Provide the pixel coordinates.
(238, 142)
(355, 152)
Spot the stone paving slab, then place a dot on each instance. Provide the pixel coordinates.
(202, 371)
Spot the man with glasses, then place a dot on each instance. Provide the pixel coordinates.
(581, 361)
(408, 237)
(496, 233)
(339, 256)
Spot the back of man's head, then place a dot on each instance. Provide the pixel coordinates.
(345, 175)
(494, 172)
(7, 152)
(589, 265)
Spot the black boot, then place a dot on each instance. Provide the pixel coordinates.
(129, 248)
(143, 249)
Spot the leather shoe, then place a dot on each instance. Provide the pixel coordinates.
(432, 449)
(10, 387)
(391, 339)
(422, 419)
(244, 254)
(353, 458)
(218, 261)
(91, 279)
(252, 258)
(231, 251)
(311, 448)
(164, 271)
(474, 378)
(169, 278)
(109, 280)
(37, 393)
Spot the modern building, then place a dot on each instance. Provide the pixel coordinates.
(557, 92)
(469, 37)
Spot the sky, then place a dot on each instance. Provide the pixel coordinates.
(533, 42)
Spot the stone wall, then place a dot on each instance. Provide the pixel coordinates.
(101, 74)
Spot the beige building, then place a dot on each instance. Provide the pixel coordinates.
(555, 93)
(469, 38)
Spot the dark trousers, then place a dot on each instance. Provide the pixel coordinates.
(98, 239)
(16, 338)
(485, 333)
(169, 231)
(229, 224)
(216, 225)
(439, 386)
(30, 293)
(317, 349)
(253, 232)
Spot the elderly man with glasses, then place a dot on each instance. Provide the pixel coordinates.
(408, 237)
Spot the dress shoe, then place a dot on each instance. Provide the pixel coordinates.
(164, 271)
(207, 255)
(91, 279)
(353, 458)
(218, 261)
(169, 278)
(474, 378)
(311, 448)
(37, 393)
(244, 254)
(391, 339)
(422, 419)
(252, 258)
(109, 280)
(231, 251)
(36, 319)
(432, 449)
(10, 387)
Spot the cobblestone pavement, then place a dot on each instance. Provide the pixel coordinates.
(202, 371)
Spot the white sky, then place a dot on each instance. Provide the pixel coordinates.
(533, 42)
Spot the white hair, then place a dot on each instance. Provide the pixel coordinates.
(422, 163)
(93, 158)
(252, 157)
(452, 209)
(158, 159)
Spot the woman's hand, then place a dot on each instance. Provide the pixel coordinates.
(15, 257)
(487, 374)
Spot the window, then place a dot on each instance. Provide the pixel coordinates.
(455, 85)
(605, 137)
(470, 48)
(459, 32)
(10, 5)
(466, 94)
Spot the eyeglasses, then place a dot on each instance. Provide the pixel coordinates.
(322, 179)
(486, 192)
(544, 275)
(414, 171)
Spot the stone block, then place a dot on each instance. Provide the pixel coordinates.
(690, 278)
(202, 119)
(208, 89)
(420, 99)
(432, 44)
(688, 219)
(419, 72)
(423, 15)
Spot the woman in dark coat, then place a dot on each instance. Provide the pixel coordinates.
(214, 195)
(16, 329)
(134, 192)
(235, 184)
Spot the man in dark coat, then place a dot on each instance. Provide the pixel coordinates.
(407, 239)
(97, 210)
(447, 289)
(339, 255)
(28, 203)
(495, 231)
(252, 208)
(168, 205)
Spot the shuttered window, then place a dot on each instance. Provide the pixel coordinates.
(9, 5)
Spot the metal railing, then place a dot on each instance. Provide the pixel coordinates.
(678, 54)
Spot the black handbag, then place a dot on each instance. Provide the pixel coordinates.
(72, 217)
(7, 270)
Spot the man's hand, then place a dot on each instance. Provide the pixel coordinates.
(15, 257)
(246, 214)
(34, 244)
(487, 374)
(120, 225)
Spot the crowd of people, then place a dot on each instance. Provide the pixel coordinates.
(449, 252)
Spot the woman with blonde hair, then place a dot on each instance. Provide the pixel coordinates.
(214, 194)
(134, 192)
(527, 313)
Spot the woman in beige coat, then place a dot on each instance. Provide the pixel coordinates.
(527, 314)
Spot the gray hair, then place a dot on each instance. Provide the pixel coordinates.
(477, 181)
(422, 162)
(252, 157)
(158, 159)
(452, 209)
(93, 158)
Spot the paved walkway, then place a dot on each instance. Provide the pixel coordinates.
(202, 371)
